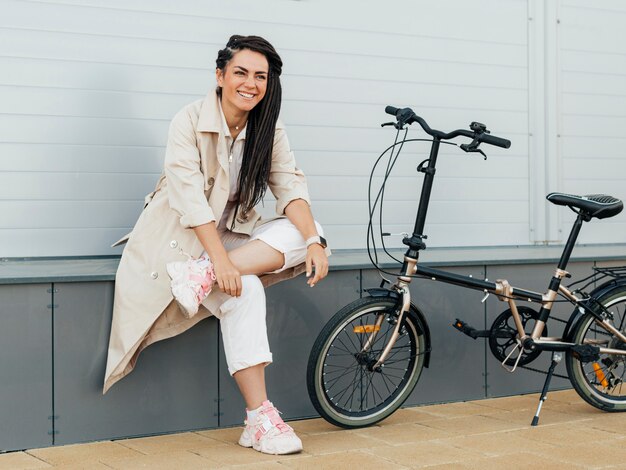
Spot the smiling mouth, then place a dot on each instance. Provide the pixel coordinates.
(247, 96)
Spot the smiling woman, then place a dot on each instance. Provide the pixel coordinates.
(223, 153)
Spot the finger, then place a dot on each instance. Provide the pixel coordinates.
(220, 283)
(233, 287)
(239, 285)
(325, 270)
(309, 265)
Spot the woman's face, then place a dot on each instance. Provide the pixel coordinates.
(244, 80)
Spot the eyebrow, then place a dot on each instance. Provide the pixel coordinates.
(246, 70)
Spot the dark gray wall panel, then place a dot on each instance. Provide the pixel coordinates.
(173, 387)
(25, 366)
(532, 277)
(457, 362)
(295, 315)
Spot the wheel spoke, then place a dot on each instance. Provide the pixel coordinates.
(345, 387)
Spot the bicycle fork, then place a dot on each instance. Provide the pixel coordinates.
(403, 288)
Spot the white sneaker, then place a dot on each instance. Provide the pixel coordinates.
(192, 281)
(269, 433)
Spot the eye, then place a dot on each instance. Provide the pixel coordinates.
(238, 72)
(261, 77)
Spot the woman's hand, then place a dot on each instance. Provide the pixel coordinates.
(316, 258)
(227, 276)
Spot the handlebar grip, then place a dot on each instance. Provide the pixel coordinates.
(493, 140)
(391, 110)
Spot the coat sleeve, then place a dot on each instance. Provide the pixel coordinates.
(185, 180)
(287, 182)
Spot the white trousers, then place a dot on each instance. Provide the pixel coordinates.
(242, 319)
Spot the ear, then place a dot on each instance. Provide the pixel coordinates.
(219, 77)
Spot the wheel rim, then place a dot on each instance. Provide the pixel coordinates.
(605, 378)
(348, 387)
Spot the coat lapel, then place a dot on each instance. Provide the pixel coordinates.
(210, 120)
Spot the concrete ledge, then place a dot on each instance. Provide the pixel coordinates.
(103, 268)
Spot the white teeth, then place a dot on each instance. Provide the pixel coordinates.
(246, 95)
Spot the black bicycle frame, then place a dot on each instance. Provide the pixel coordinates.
(416, 244)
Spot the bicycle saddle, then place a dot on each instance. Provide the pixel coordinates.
(600, 206)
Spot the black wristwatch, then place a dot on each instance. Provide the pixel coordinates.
(316, 239)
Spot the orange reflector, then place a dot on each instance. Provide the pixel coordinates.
(366, 328)
(601, 377)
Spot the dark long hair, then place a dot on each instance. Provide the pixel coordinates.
(257, 151)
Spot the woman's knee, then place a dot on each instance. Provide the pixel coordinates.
(252, 287)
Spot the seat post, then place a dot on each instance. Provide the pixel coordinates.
(571, 241)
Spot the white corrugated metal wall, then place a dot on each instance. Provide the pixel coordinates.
(87, 89)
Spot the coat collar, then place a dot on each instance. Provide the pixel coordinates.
(210, 118)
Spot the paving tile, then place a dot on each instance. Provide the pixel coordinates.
(83, 453)
(497, 443)
(565, 396)
(237, 455)
(13, 460)
(166, 461)
(515, 403)
(314, 426)
(518, 461)
(337, 442)
(403, 433)
(547, 417)
(456, 410)
(421, 454)
(353, 459)
(593, 455)
(446, 466)
(259, 466)
(614, 423)
(89, 465)
(169, 443)
(579, 408)
(470, 425)
(409, 415)
(566, 434)
(227, 435)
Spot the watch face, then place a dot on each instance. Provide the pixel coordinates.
(323, 242)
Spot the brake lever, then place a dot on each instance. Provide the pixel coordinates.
(473, 148)
(387, 124)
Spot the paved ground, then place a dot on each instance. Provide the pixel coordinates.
(485, 434)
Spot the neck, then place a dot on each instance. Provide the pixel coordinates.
(235, 118)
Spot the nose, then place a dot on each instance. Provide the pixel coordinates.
(250, 83)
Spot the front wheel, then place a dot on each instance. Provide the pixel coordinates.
(342, 384)
(601, 382)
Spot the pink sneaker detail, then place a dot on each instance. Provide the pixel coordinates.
(192, 281)
(269, 434)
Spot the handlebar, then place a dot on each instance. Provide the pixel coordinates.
(407, 116)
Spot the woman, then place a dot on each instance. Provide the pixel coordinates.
(222, 154)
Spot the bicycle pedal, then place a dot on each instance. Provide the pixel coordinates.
(469, 331)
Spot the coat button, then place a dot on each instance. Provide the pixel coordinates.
(211, 181)
(173, 244)
(154, 275)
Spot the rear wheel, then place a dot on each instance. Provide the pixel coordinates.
(600, 382)
(342, 384)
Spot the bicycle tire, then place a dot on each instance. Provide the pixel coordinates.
(601, 383)
(335, 364)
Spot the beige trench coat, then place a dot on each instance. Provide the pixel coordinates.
(193, 190)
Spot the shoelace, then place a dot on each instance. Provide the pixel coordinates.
(205, 278)
(205, 284)
(274, 416)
